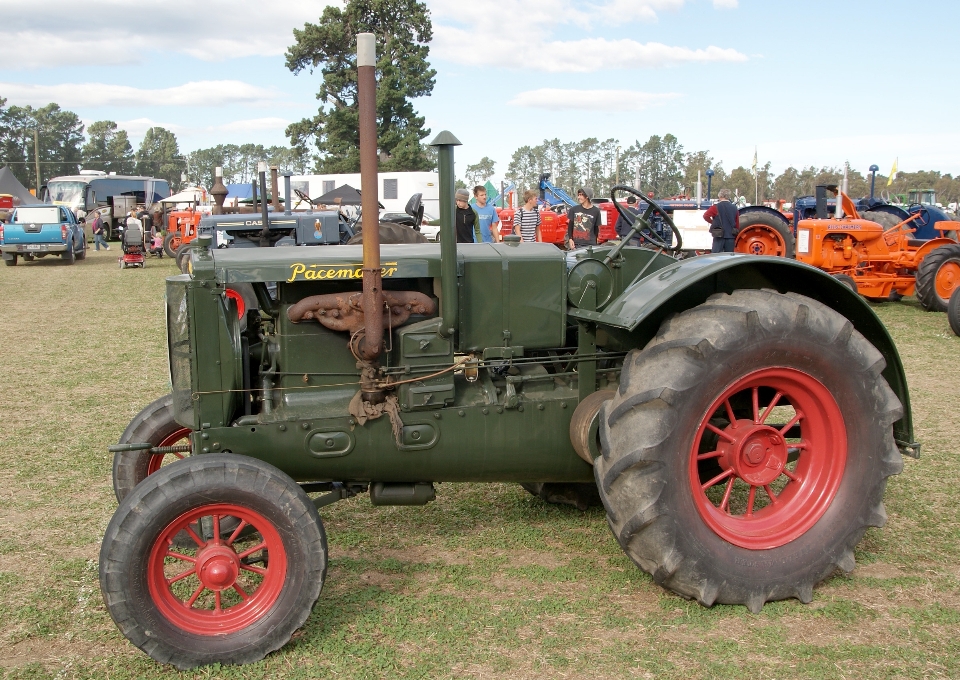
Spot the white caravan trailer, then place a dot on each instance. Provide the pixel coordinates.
(394, 188)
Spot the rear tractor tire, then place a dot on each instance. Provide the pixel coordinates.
(764, 234)
(227, 600)
(154, 424)
(937, 277)
(747, 449)
(171, 243)
(953, 312)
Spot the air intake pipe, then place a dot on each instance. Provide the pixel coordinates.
(449, 309)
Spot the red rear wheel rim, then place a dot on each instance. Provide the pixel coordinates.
(947, 279)
(211, 588)
(156, 460)
(175, 243)
(760, 499)
(760, 240)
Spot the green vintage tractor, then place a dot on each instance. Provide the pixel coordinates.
(737, 416)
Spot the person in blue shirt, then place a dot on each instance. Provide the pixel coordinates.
(486, 216)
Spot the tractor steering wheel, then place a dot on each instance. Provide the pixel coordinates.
(303, 197)
(924, 218)
(645, 229)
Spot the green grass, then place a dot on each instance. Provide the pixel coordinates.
(485, 582)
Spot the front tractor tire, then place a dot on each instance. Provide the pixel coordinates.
(228, 600)
(747, 449)
(762, 233)
(154, 424)
(938, 276)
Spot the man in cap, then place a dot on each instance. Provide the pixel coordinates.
(724, 222)
(467, 220)
(583, 221)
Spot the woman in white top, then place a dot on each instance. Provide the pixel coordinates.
(526, 221)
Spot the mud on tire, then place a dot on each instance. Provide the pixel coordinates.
(658, 436)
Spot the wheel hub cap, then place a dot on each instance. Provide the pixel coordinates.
(757, 454)
(218, 567)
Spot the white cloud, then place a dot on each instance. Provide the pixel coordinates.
(197, 93)
(725, 4)
(110, 32)
(590, 100)
(195, 136)
(475, 34)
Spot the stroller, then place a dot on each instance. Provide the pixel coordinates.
(133, 247)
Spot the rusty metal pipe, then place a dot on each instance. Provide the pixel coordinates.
(372, 343)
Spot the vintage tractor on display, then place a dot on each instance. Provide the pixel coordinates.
(878, 262)
(737, 416)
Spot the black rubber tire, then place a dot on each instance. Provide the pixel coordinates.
(68, 255)
(953, 312)
(778, 224)
(580, 495)
(390, 232)
(153, 424)
(927, 276)
(183, 252)
(848, 281)
(28, 258)
(179, 488)
(167, 248)
(82, 254)
(648, 430)
(884, 219)
(11, 261)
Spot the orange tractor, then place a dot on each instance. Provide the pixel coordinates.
(882, 263)
(181, 229)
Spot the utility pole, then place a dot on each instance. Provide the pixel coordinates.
(36, 158)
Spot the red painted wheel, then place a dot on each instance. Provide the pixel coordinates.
(948, 278)
(238, 298)
(157, 425)
(938, 275)
(761, 240)
(187, 589)
(213, 587)
(747, 448)
(779, 472)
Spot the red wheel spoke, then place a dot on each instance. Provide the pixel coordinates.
(255, 570)
(196, 594)
(243, 595)
(178, 455)
(716, 480)
(724, 505)
(250, 551)
(767, 411)
(216, 600)
(798, 445)
(731, 416)
(793, 477)
(793, 421)
(196, 539)
(773, 497)
(720, 433)
(709, 454)
(178, 556)
(216, 530)
(756, 405)
(178, 577)
(750, 499)
(236, 532)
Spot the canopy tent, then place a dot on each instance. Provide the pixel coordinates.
(9, 184)
(239, 191)
(192, 195)
(342, 195)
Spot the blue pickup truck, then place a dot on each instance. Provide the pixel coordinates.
(40, 230)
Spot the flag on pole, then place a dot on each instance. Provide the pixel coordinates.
(893, 172)
(754, 167)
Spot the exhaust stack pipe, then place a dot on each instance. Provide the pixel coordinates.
(444, 143)
(372, 299)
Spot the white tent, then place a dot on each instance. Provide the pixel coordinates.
(195, 195)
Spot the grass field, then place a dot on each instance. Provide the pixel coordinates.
(486, 582)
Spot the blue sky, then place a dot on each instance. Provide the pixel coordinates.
(806, 83)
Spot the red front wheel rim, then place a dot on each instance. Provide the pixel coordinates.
(238, 298)
(768, 458)
(758, 240)
(157, 460)
(217, 585)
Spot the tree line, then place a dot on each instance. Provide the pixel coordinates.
(663, 166)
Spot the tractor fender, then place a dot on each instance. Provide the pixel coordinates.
(634, 317)
(764, 209)
(930, 246)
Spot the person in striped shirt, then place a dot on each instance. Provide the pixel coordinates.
(526, 221)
